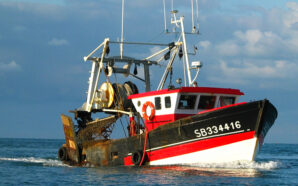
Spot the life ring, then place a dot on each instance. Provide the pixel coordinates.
(152, 114)
(62, 154)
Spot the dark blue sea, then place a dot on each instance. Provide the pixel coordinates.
(34, 162)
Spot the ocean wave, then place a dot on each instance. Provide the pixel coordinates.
(43, 161)
(269, 165)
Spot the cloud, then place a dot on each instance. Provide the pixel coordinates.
(205, 44)
(41, 9)
(256, 72)
(292, 17)
(259, 49)
(250, 36)
(278, 69)
(11, 66)
(253, 43)
(228, 48)
(63, 10)
(58, 42)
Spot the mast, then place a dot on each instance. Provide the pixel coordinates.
(185, 51)
(122, 23)
(177, 22)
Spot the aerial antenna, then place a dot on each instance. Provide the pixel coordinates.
(197, 12)
(122, 22)
(192, 18)
(164, 15)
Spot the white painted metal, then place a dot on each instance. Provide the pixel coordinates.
(86, 57)
(164, 15)
(197, 11)
(192, 17)
(174, 103)
(184, 72)
(185, 53)
(168, 69)
(163, 111)
(240, 151)
(122, 23)
(93, 81)
(163, 50)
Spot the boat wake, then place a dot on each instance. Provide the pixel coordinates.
(234, 169)
(269, 165)
(43, 161)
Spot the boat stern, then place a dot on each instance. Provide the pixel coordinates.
(69, 152)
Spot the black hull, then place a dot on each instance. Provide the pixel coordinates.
(205, 131)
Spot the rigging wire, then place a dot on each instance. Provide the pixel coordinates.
(156, 36)
(120, 104)
(122, 127)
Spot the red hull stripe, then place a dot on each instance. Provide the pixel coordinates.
(195, 146)
(210, 90)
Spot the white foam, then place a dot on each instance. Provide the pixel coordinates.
(241, 165)
(44, 162)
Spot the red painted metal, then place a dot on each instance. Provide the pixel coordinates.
(199, 145)
(195, 146)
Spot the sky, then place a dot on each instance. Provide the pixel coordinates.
(250, 45)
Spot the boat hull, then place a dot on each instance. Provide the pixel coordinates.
(229, 134)
(243, 150)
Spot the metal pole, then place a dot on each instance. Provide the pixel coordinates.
(165, 75)
(93, 82)
(147, 77)
(185, 51)
(164, 15)
(94, 70)
(121, 44)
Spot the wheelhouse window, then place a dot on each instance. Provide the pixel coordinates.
(157, 103)
(226, 100)
(187, 102)
(168, 102)
(206, 102)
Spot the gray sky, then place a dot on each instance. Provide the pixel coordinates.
(250, 45)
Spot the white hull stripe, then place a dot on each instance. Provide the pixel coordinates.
(238, 151)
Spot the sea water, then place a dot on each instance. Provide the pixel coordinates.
(34, 162)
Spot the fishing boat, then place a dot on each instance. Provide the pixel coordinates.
(171, 125)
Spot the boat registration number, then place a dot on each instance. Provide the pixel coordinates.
(215, 129)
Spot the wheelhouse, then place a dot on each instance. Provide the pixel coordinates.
(164, 106)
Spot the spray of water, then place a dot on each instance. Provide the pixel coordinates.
(267, 165)
(43, 161)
